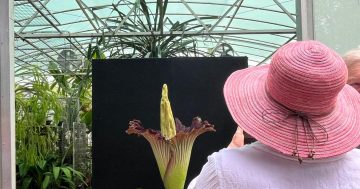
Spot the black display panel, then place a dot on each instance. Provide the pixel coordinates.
(125, 89)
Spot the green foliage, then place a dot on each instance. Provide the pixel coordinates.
(47, 173)
(37, 159)
(75, 87)
(153, 46)
(35, 100)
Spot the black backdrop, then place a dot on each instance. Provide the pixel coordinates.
(131, 88)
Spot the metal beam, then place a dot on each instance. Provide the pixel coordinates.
(44, 53)
(304, 20)
(226, 13)
(30, 19)
(28, 56)
(285, 11)
(53, 25)
(173, 33)
(27, 63)
(243, 42)
(126, 17)
(271, 54)
(32, 54)
(172, 14)
(195, 15)
(228, 24)
(7, 96)
(174, 2)
(49, 13)
(87, 16)
(57, 53)
(252, 41)
(44, 16)
(96, 16)
(235, 12)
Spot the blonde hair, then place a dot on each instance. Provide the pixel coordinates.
(352, 60)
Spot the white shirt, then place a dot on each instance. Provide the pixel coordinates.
(256, 166)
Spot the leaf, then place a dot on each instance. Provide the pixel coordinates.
(146, 13)
(56, 171)
(23, 169)
(162, 14)
(147, 55)
(70, 182)
(158, 51)
(66, 172)
(89, 52)
(101, 39)
(75, 172)
(41, 164)
(45, 182)
(87, 118)
(26, 183)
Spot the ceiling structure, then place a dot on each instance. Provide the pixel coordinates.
(45, 30)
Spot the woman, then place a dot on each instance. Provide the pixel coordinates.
(352, 60)
(305, 118)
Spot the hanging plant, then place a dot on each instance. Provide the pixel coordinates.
(142, 19)
(35, 128)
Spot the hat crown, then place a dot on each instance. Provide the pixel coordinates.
(306, 76)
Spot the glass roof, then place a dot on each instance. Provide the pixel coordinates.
(44, 29)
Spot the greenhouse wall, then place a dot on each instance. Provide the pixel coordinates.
(336, 23)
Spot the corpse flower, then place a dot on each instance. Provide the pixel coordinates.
(172, 146)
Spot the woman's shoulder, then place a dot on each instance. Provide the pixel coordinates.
(257, 153)
(237, 167)
(248, 149)
(228, 158)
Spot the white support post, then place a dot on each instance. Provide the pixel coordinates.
(7, 96)
(304, 20)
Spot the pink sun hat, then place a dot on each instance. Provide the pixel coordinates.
(300, 104)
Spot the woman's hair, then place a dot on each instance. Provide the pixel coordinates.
(352, 60)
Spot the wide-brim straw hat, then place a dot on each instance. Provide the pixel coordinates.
(300, 104)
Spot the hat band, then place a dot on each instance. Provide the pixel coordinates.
(306, 123)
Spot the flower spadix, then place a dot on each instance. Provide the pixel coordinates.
(172, 146)
(167, 122)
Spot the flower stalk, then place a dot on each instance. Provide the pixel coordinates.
(172, 146)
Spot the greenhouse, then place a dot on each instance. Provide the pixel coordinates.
(77, 76)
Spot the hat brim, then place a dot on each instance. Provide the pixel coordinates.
(337, 132)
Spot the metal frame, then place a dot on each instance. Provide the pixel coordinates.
(126, 17)
(44, 53)
(36, 53)
(195, 15)
(285, 11)
(236, 4)
(7, 97)
(230, 21)
(192, 2)
(87, 16)
(52, 24)
(56, 52)
(305, 20)
(217, 33)
(97, 17)
(31, 18)
(270, 55)
(173, 33)
(178, 14)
